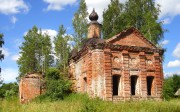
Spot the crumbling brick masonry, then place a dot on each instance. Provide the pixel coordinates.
(124, 67)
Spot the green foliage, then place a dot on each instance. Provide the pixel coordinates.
(58, 89)
(141, 14)
(171, 85)
(78, 103)
(1, 55)
(35, 52)
(1, 81)
(1, 43)
(9, 90)
(62, 49)
(53, 74)
(176, 82)
(168, 91)
(93, 105)
(80, 24)
(56, 86)
(112, 19)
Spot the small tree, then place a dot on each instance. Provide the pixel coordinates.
(113, 19)
(141, 14)
(80, 24)
(171, 85)
(176, 82)
(62, 49)
(168, 91)
(1, 55)
(9, 90)
(57, 86)
(35, 52)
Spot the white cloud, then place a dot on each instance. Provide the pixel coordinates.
(169, 9)
(13, 19)
(51, 33)
(58, 4)
(18, 43)
(5, 51)
(175, 63)
(9, 75)
(99, 6)
(166, 21)
(164, 42)
(169, 74)
(176, 52)
(15, 57)
(13, 6)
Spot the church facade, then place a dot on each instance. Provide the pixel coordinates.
(124, 67)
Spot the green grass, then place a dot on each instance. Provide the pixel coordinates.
(81, 103)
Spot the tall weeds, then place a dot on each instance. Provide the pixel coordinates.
(82, 103)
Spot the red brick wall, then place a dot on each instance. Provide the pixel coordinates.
(101, 64)
(98, 73)
(29, 89)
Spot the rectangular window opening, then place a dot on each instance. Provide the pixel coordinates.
(85, 84)
(149, 84)
(116, 82)
(133, 84)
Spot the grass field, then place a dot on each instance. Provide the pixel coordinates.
(81, 103)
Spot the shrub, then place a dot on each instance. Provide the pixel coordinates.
(176, 82)
(56, 86)
(168, 91)
(53, 74)
(57, 89)
(171, 85)
(9, 90)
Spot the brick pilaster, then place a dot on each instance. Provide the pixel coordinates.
(107, 74)
(158, 74)
(89, 74)
(126, 75)
(143, 75)
(97, 71)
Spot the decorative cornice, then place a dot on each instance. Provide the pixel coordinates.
(85, 49)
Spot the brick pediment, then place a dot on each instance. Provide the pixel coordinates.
(131, 37)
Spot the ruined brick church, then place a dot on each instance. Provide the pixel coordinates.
(124, 67)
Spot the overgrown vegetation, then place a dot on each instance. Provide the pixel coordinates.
(81, 103)
(171, 85)
(35, 52)
(36, 55)
(80, 24)
(141, 14)
(9, 90)
(57, 86)
(62, 49)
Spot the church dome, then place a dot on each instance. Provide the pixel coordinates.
(93, 16)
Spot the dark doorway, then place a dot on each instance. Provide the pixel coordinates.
(85, 84)
(116, 81)
(133, 84)
(149, 84)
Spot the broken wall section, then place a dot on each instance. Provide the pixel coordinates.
(30, 87)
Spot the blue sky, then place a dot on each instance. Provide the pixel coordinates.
(18, 16)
